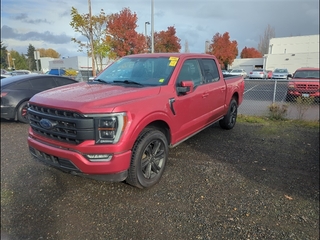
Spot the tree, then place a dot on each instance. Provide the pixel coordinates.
(250, 53)
(4, 56)
(167, 41)
(31, 60)
(48, 53)
(263, 46)
(224, 49)
(81, 23)
(122, 36)
(18, 61)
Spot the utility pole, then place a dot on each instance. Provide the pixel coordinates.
(8, 54)
(146, 33)
(91, 41)
(152, 28)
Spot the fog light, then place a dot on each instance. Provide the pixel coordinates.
(99, 157)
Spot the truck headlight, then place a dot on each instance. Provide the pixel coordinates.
(291, 86)
(110, 127)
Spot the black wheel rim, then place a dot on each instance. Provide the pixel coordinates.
(233, 114)
(153, 159)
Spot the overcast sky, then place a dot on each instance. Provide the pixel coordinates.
(46, 23)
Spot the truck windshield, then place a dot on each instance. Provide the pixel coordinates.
(148, 71)
(307, 74)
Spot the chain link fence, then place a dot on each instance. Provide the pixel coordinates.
(272, 96)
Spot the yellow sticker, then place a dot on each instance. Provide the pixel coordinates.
(161, 80)
(173, 58)
(173, 63)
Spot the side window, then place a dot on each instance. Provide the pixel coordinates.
(22, 85)
(190, 71)
(43, 83)
(210, 69)
(63, 81)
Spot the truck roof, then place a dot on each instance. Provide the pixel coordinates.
(170, 55)
(308, 69)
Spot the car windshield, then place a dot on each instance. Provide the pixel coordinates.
(145, 71)
(281, 71)
(257, 70)
(307, 74)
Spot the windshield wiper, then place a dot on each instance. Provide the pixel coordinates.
(99, 80)
(128, 82)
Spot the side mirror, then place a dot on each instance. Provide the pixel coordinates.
(185, 87)
(289, 76)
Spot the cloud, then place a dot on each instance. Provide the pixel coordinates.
(10, 33)
(24, 18)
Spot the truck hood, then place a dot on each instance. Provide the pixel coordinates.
(90, 97)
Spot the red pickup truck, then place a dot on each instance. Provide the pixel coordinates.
(304, 83)
(121, 125)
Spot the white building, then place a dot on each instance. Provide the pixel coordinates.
(287, 52)
(76, 63)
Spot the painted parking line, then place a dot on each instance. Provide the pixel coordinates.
(250, 89)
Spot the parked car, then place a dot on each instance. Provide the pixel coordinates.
(269, 74)
(17, 90)
(280, 73)
(304, 83)
(239, 72)
(258, 73)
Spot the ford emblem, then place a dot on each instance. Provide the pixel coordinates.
(47, 124)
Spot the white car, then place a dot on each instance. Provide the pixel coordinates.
(280, 73)
(239, 72)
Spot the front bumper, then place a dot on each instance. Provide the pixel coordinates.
(299, 93)
(74, 162)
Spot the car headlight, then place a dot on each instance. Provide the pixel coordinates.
(110, 127)
(291, 86)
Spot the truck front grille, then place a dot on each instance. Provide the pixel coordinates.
(64, 126)
(312, 87)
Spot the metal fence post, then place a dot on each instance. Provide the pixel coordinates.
(274, 91)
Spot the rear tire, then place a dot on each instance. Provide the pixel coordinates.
(229, 120)
(22, 112)
(148, 160)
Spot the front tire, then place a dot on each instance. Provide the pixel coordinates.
(148, 160)
(229, 120)
(22, 112)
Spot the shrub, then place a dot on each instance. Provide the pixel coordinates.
(278, 112)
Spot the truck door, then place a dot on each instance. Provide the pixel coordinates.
(214, 89)
(190, 109)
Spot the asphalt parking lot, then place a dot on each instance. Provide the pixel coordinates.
(252, 182)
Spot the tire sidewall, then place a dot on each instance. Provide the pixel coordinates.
(139, 151)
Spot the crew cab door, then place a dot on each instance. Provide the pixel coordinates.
(215, 89)
(190, 108)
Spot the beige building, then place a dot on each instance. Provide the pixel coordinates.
(287, 52)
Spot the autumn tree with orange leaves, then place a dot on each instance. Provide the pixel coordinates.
(166, 41)
(224, 49)
(250, 53)
(122, 36)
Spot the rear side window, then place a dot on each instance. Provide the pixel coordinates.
(211, 73)
(43, 83)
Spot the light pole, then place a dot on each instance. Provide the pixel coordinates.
(146, 33)
(152, 28)
(8, 54)
(14, 66)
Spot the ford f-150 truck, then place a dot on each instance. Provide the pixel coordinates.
(120, 126)
(304, 83)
